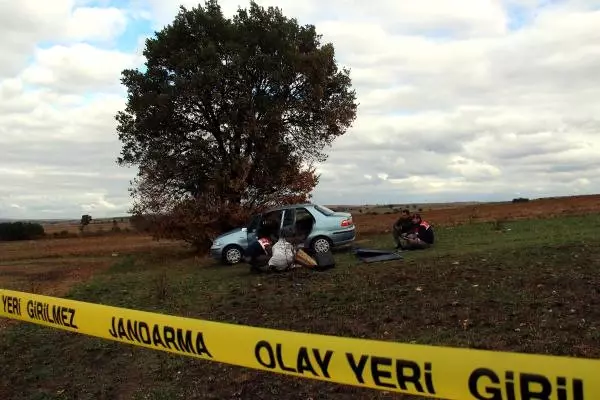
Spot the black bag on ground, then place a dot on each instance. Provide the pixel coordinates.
(324, 260)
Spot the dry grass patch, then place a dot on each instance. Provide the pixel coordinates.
(88, 246)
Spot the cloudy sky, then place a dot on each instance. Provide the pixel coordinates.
(459, 99)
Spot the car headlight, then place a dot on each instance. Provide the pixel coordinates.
(216, 243)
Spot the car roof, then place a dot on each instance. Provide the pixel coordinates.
(288, 206)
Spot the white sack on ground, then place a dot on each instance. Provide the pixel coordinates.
(283, 255)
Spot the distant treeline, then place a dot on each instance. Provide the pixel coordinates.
(10, 231)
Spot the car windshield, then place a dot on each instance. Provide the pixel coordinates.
(324, 210)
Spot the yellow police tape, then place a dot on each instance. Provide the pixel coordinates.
(431, 371)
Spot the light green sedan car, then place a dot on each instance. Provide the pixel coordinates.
(325, 229)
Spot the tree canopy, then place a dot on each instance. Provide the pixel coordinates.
(231, 112)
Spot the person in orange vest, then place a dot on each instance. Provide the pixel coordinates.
(420, 237)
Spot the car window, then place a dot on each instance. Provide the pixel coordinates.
(303, 214)
(324, 210)
(275, 216)
(288, 217)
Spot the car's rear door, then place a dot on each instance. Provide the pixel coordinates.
(296, 215)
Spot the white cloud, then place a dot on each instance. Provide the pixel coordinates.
(99, 202)
(473, 170)
(487, 99)
(462, 17)
(25, 23)
(94, 23)
(78, 68)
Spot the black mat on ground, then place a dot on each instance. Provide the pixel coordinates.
(374, 255)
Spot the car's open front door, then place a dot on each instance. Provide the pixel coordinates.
(252, 228)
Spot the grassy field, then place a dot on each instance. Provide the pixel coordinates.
(527, 286)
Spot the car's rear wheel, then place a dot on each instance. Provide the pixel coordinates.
(321, 244)
(232, 254)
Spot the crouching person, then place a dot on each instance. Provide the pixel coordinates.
(402, 227)
(258, 254)
(283, 252)
(421, 237)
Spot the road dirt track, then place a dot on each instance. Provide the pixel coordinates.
(369, 224)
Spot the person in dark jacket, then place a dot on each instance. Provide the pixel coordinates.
(403, 226)
(421, 236)
(259, 252)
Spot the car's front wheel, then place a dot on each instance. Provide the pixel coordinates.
(232, 254)
(321, 244)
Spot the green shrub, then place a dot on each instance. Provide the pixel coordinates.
(12, 231)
